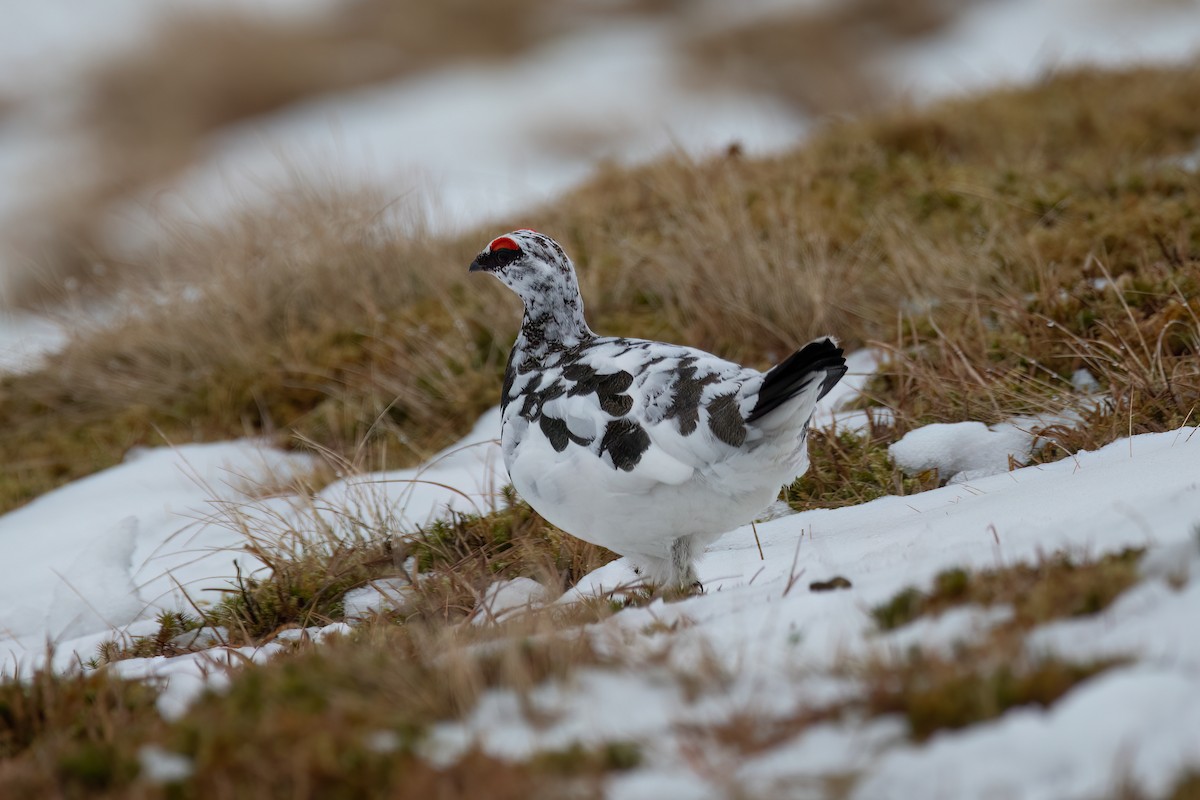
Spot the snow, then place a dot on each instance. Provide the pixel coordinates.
(381, 595)
(961, 451)
(1082, 380)
(159, 765)
(1153, 623)
(1140, 724)
(184, 678)
(1019, 41)
(504, 599)
(168, 526)
(944, 633)
(471, 147)
(825, 751)
(25, 338)
(119, 546)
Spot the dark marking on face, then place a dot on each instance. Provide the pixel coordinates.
(725, 420)
(625, 441)
(685, 402)
(496, 259)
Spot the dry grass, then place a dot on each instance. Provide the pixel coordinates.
(317, 318)
(1188, 788)
(342, 719)
(851, 468)
(66, 736)
(314, 558)
(953, 237)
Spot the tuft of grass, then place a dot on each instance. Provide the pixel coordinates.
(171, 639)
(848, 468)
(73, 735)
(936, 694)
(310, 566)
(1056, 586)
(511, 541)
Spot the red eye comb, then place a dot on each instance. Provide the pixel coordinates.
(502, 243)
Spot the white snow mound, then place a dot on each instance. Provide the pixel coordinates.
(962, 450)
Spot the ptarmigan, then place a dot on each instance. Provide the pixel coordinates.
(652, 450)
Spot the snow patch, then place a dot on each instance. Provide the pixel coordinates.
(944, 633)
(962, 451)
(185, 677)
(378, 596)
(126, 543)
(25, 339)
(505, 599)
(159, 765)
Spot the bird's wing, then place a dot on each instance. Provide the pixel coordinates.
(655, 411)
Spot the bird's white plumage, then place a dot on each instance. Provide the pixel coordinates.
(649, 449)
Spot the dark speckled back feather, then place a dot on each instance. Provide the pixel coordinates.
(821, 360)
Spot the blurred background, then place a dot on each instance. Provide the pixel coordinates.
(123, 121)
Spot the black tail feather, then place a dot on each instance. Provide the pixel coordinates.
(819, 360)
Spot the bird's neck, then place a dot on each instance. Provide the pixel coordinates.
(551, 325)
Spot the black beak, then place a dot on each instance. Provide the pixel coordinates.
(477, 265)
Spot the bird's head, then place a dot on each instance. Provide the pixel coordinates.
(531, 264)
(536, 268)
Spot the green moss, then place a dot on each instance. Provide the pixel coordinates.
(96, 767)
(1055, 587)
(579, 760)
(903, 608)
(935, 695)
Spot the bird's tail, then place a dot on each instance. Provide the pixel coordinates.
(819, 362)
